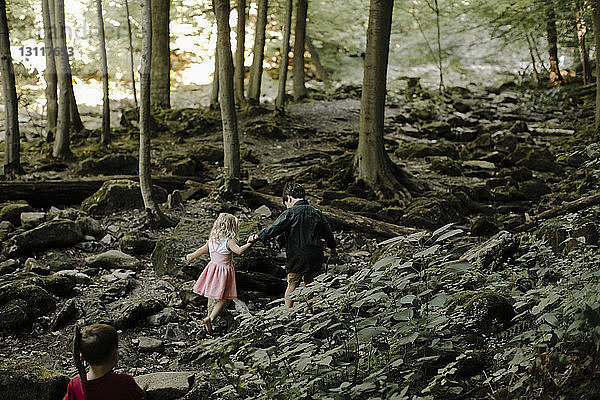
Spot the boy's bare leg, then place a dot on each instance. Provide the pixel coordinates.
(292, 282)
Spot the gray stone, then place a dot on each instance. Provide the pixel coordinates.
(106, 239)
(118, 274)
(6, 227)
(494, 252)
(57, 233)
(175, 332)
(263, 211)
(33, 265)
(12, 212)
(119, 195)
(80, 277)
(168, 314)
(150, 345)
(129, 311)
(67, 313)
(32, 219)
(174, 200)
(113, 259)
(112, 164)
(27, 380)
(137, 243)
(166, 385)
(91, 226)
(9, 266)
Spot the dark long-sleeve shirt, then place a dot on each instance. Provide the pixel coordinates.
(304, 229)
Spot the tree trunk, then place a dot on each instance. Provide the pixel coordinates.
(581, 34)
(372, 164)
(283, 63)
(256, 70)
(131, 53)
(76, 123)
(532, 58)
(231, 144)
(596, 23)
(160, 83)
(240, 37)
(50, 73)
(300, 91)
(214, 92)
(314, 57)
(12, 163)
(439, 43)
(105, 136)
(155, 215)
(555, 76)
(61, 147)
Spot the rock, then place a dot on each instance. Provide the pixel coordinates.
(138, 243)
(32, 219)
(257, 183)
(112, 164)
(445, 166)
(119, 195)
(91, 226)
(422, 150)
(166, 385)
(519, 174)
(482, 141)
(487, 311)
(356, 204)
(59, 260)
(33, 265)
(533, 158)
(80, 277)
(11, 212)
(9, 266)
(484, 226)
(494, 252)
(479, 165)
(59, 285)
(149, 345)
(113, 259)
(263, 211)
(264, 129)
(67, 313)
(166, 315)
(533, 189)
(26, 380)
(437, 129)
(57, 233)
(174, 200)
(208, 152)
(175, 332)
(129, 311)
(5, 229)
(434, 211)
(180, 165)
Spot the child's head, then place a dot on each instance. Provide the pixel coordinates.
(225, 227)
(292, 189)
(97, 344)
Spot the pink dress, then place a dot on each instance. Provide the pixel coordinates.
(217, 280)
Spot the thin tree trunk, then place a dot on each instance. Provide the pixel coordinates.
(214, 93)
(373, 165)
(231, 144)
(240, 37)
(581, 34)
(131, 53)
(161, 55)
(299, 34)
(314, 56)
(596, 23)
(256, 70)
(50, 72)
(105, 137)
(555, 76)
(76, 123)
(61, 147)
(532, 58)
(439, 43)
(12, 163)
(283, 63)
(155, 215)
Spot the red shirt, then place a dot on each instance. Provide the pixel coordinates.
(108, 387)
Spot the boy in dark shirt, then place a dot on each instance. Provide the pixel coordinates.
(303, 228)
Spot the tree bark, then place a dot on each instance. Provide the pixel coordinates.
(581, 34)
(300, 91)
(76, 123)
(214, 92)
(240, 37)
(231, 144)
(283, 63)
(155, 215)
(50, 72)
(373, 165)
(256, 70)
(596, 23)
(161, 55)
(12, 163)
(105, 136)
(61, 147)
(555, 76)
(532, 58)
(314, 57)
(131, 53)
(439, 43)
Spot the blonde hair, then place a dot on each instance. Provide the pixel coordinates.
(225, 227)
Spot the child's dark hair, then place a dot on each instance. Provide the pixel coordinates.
(294, 190)
(96, 343)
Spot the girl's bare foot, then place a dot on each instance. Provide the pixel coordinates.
(207, 324)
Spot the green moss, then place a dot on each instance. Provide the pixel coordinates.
(446, 166)
(356, 204)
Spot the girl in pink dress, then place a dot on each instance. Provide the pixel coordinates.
(217, 280)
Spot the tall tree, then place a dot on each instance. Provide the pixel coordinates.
(12, 163)
(231, 143)
(596, 24)
(214, 90)
(581, 27)
(283, 63)
(372, 164)
(50, 72)
(552, 36)
(105, 136)
(256, 70)
(314, 57)
(155, 215)
(131, 53)
(299, 46)
(240, 38)
(61, 141)
(160, 83)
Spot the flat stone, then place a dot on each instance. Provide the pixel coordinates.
(166, 385)
(263, 211)
(149, 345)
(113, 259)
(32, 219)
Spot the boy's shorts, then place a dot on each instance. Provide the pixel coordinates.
(294, 279)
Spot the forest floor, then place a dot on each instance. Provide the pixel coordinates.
(461, 142)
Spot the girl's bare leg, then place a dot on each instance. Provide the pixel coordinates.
(213, 314)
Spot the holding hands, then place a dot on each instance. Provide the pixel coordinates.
(252, 238)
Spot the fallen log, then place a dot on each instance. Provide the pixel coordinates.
(338, 219)
(72, 191)
(576, 205)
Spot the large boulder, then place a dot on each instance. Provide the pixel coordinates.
(56, 233)
(494, 252)
(113, 259)
(26, 380)
(128, 312)
(166, 385)
(486, 311)
(533, 158)
(435, 211)
(119, 195)
(12, 212)
(112, 164)
(137, 243)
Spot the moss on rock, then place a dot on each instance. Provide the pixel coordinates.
(119, 195)
(27, 380)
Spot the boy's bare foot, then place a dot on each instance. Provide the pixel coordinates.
(207, 324)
